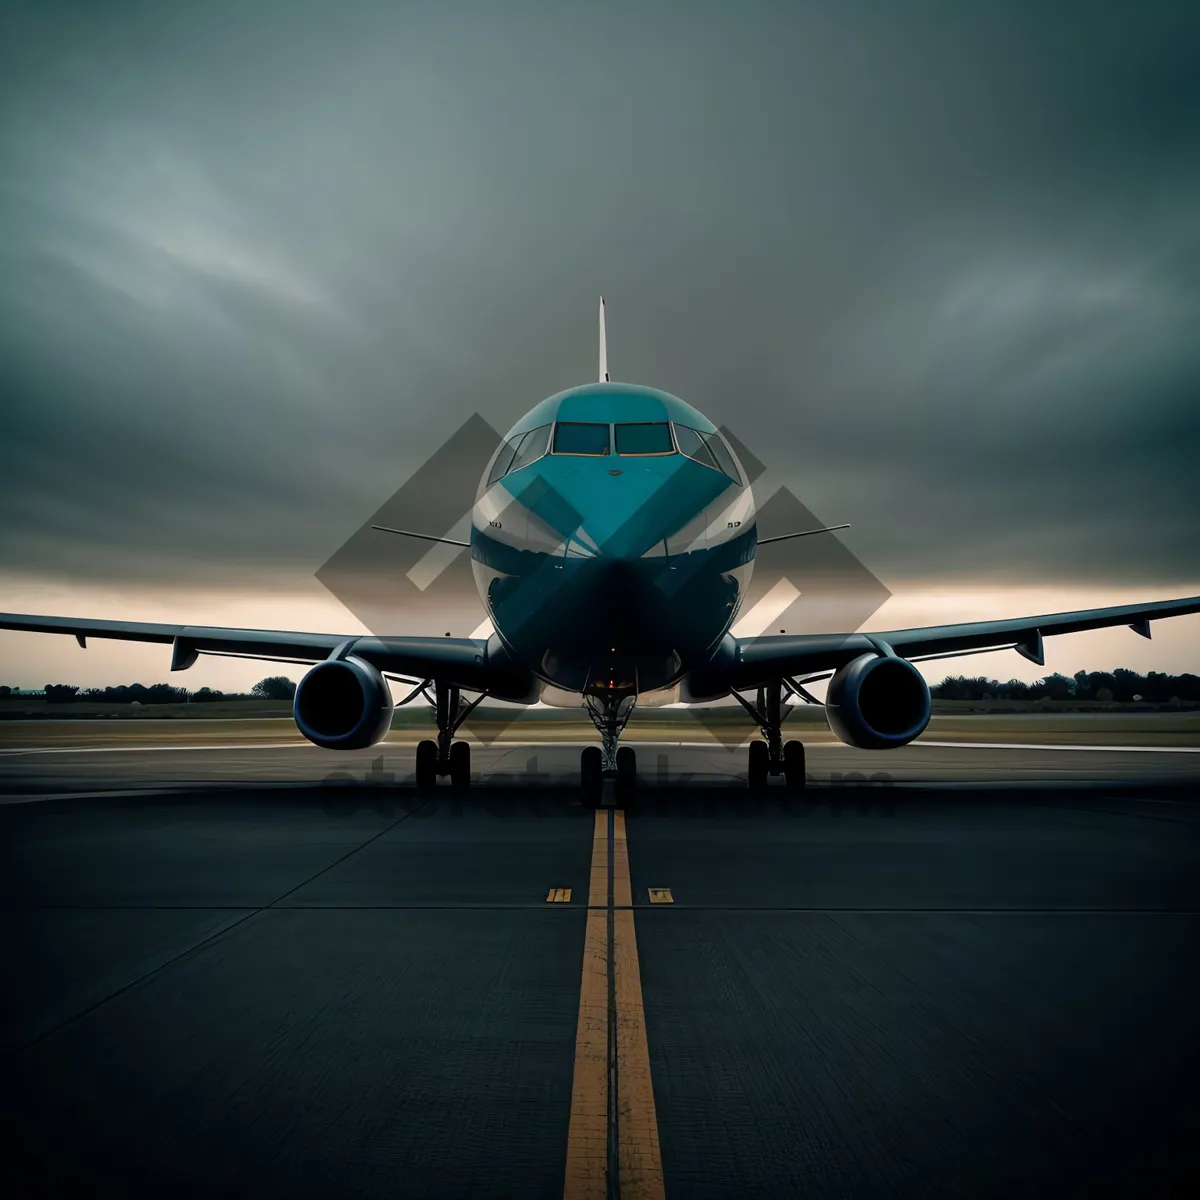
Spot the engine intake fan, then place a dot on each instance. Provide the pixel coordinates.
(343, 704)
(876, 702)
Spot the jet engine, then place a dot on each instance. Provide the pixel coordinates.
(343, 704)
(876, 703)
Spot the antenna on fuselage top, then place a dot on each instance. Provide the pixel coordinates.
(603, 347)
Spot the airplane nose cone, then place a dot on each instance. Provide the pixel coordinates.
(606, 578)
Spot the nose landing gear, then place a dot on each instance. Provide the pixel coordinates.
(626, 768)
(591, 774)
(609, 714)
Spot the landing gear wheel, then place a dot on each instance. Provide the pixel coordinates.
(626, 769)
(760, 763)
(460, 765)
(793, 765)
(591, 777)
(427, 764)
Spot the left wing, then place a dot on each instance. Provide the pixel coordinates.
(462, 661)
(763, 659)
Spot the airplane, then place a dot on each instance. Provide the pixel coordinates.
(612, 541)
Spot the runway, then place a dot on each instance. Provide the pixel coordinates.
(37, 760)
(245, 977)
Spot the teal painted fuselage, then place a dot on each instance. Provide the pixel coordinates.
(612, 539)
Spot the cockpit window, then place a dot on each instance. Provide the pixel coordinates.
(580, 437)
(533, 446)
(645, 437)
(691, 442)
(504, 459)
(720, 451)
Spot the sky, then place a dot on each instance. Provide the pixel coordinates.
(936, 264)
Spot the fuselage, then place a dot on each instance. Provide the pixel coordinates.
(612, 539)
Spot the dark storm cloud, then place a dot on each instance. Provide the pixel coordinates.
(937, 265)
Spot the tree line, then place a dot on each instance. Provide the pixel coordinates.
(1121, 685)
(274, 687)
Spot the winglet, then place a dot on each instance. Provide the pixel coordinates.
(603, 347)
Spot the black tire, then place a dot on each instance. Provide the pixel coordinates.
(591, 776)
(460, 765)
(793, 765)
(427, 764)
(626, 769)
(759, 765)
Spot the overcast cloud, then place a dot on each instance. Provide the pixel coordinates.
(938, 265)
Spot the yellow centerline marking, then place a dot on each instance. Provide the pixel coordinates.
(587, 1136)
(637, 1158)
(660, 896)
(558, 896)
(622, 892)
(598, 881)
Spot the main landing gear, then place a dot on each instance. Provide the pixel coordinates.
(609, 714)
(772, 756)
(446, 756)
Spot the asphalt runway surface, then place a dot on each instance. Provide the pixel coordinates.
(84, 759)
(272, 971)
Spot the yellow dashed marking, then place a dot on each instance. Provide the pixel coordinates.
(559, 896)
(661, 896)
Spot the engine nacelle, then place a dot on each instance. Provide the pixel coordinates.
(876, 703)
(343, 704)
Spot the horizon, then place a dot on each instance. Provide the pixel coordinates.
(817, 686)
